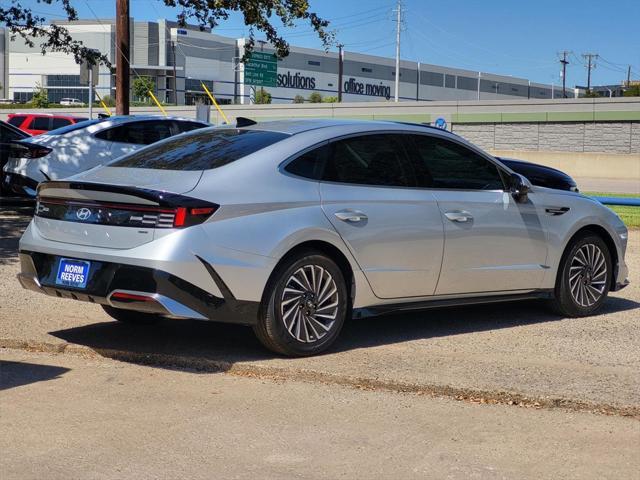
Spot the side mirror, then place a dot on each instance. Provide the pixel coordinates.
(520, 187)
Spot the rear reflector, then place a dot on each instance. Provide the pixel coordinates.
(131, 297)
(121, 214)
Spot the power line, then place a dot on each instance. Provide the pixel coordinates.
(591, 64)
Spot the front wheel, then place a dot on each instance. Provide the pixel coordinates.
(584, 277)
(305, 306)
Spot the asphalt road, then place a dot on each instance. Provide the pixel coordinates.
(67, 417)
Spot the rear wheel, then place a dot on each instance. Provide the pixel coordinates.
(305, 306)
(130, 316)
(584, 277)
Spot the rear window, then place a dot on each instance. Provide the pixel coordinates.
(59, 123)
(201, 150)
(17, 120)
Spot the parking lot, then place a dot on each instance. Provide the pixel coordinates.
(526, 361)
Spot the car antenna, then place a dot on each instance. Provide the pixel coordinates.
(244, 122)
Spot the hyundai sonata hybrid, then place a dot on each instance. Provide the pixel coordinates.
(293, 226)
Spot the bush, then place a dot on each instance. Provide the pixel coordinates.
(330, 99)
(141, 87)
(298, 99)
(632, 91)
(262, 96)
(315, 97)
(109, 101)
(40, 97)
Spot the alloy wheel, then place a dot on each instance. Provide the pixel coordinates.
(309, 303)
(588, 275)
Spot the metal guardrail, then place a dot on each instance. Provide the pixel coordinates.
(620, 201)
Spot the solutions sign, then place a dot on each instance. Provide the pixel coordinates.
(296, 81)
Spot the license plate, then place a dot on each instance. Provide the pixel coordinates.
(73, 273)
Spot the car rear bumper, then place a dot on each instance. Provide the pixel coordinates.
(166, 294)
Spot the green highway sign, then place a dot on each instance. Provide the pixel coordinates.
(261, 70)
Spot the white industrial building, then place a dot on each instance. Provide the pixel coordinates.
(180, 60)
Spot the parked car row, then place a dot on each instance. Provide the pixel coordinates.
(291, 227)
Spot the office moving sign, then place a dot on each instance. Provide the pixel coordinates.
(370, 89)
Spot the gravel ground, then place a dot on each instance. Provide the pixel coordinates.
(66, 417)
(517, 349)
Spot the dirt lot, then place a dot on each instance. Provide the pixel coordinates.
(539, 368)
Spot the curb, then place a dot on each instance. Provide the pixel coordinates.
(311, 376)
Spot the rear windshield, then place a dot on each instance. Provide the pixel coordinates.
(200, 150)
(74, 126)
(17, 120)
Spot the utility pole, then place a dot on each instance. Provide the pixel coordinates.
(175, 74)
(122, 57)
(340, 71)
(591, 64)
(564, 63)
(399, 21)
(628, 76)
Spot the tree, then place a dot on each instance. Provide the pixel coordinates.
(262, 96)
(40, 97)
(298, 99)
(330, 100)
(141, 86)
(632, 91)
(315, 97)
(259, 15)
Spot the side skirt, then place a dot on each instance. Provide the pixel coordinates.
(377, 310)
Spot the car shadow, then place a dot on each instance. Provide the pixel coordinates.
(13, 222)
(16, 374)
(229, 344)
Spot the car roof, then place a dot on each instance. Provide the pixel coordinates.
(299, 125)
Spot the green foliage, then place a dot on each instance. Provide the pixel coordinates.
(40, 98)
(315, 97)
(330, 100)
(109, 101)
(298, 99)
(261, 16)
(141, 86)
(591, 94)
(632, 91)
(262, 96)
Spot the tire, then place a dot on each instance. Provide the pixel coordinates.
(299, 318)
(130, 316)
(584, 277)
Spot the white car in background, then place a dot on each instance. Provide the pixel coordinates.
(71, 102)
(66, 151)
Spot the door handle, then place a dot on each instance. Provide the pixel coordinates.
(458, 216)
(350, 216)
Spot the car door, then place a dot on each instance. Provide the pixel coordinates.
(492, 243)
(393, 229)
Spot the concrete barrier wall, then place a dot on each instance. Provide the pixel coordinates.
(585, 137)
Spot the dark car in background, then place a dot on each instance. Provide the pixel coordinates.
(541, 175)
(8, 134)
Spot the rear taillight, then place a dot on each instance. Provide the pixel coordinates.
(124, 215)
(28, 150)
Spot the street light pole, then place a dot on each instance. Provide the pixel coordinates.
(399, 25)
(122, 57)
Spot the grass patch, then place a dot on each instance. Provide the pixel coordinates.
(629, 215)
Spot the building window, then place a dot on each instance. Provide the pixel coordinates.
(467, 83)
(367, 70)
(329, 84)
(195, 85)
(432, 78)
(450, 81)
(393, 74)
(313, 62)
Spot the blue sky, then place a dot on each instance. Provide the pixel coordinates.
(510, 37)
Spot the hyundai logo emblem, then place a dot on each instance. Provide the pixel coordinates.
(83, 213)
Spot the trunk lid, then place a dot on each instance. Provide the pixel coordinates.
(120, 209)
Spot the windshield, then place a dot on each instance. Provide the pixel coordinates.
(201, 150)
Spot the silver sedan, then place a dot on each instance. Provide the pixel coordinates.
(293, 226)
